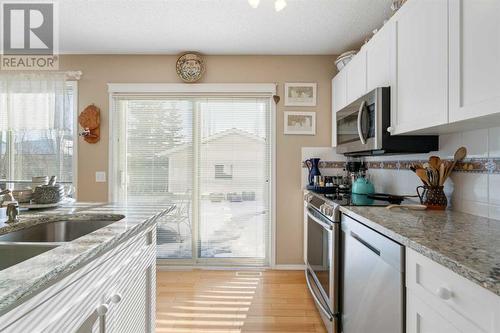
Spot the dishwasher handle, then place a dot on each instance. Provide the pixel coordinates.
(365, 243)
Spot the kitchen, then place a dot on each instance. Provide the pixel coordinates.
(184, 200)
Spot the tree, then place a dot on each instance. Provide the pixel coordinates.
(153, 127)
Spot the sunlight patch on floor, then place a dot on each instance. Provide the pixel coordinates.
(235, 302)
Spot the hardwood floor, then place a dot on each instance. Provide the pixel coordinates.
(235, 301)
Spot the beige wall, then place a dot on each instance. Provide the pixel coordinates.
(98, 70)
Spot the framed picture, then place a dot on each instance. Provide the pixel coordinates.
(300, 123)
(300, 94)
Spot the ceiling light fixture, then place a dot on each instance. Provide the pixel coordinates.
(254, 3)
(279, 5)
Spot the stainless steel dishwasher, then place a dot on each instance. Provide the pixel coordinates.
(372, 281)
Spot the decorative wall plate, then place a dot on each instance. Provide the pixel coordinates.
(190, 67)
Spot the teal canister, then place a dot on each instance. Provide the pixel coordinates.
(360, 188)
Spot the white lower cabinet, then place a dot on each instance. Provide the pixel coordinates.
(439, 300)
(114, 294)
(421, 318)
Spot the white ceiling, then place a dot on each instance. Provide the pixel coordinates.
(217, 26)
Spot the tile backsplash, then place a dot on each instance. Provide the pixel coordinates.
(476, 192)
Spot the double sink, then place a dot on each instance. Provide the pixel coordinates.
(23, 244)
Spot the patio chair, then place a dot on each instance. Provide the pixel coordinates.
(170, 231)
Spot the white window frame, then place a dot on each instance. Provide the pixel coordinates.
(198, 88)
(76, 141)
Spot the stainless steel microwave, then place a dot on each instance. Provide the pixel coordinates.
(361, 129)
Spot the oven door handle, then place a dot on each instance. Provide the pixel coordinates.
(321, 223)
(362, 109)
(316, 300)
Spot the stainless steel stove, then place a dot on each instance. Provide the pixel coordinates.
(323, 249)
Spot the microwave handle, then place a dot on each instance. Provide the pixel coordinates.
(362, 109)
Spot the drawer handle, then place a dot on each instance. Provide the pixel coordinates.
(102, 309)
(116, 298)
(444, 293)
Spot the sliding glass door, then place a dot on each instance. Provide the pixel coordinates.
(211, 158)
(234, 166)
(154, 155)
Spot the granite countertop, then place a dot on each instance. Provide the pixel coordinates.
(467, 244)
(25, 279)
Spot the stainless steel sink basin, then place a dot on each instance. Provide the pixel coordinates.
(58, 231)
(12, 254)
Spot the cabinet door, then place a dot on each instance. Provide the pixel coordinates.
(339, 87)
(420, 70)
(356, 76)
(378, 55)
(421, 318)
(134, 310)
(339, 96)
(74, 303)
(474, 58)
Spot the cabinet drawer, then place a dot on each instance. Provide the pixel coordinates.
(454, 297)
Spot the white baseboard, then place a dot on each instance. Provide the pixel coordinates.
(161, 268)
(290, 267)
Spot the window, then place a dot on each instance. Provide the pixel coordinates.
(223, 171)
(208, 155)
(37, 135)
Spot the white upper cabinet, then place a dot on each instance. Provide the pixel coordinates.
(339, 94)
(474, 58)
(378, 59)
(420, 66)
(441, 59)
(339, 86)
(356, 76)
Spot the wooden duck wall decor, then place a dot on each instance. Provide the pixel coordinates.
(90, 121)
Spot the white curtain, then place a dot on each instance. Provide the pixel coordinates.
(34, 101)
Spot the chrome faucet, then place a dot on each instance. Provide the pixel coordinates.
(12, 213)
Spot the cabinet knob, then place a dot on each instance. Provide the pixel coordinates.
(444, 293)
(390, 129)
(116, 298)
(102, 309)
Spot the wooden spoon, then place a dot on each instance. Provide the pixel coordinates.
(459, 156)
(442, 171)
(410, 207)
(422, 174)
(435, 162)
